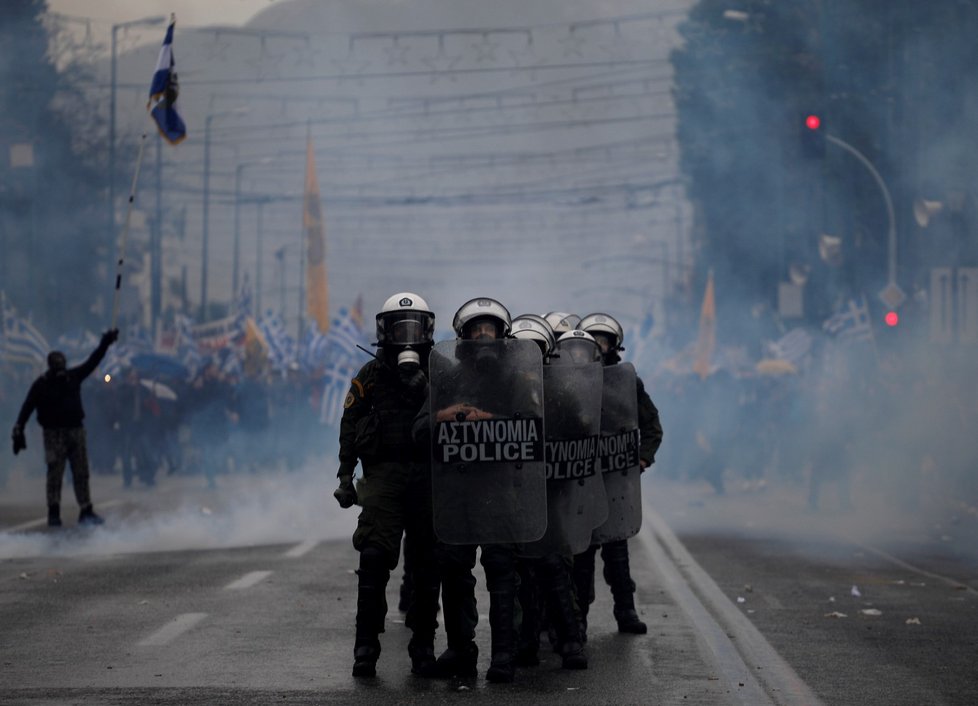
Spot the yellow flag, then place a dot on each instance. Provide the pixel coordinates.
(317, 291)
(707, 339)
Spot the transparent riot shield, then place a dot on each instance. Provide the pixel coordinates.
(618, 455)
(487, 466)
(576, 501)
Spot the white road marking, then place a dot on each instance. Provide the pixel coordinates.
(173, 629)
(248, 580)
(687, 582)
(301, 549)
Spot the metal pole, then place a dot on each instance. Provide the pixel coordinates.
(891, 230)
(258, 310)
(205, 229)
(156, 267)
(125, 234)
(112, 98)
(237, 229)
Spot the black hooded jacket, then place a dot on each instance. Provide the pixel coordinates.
(57, 396)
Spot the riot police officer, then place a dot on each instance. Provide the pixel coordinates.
(476, 381)
(544, 566)
(379, 410)
(608, 334)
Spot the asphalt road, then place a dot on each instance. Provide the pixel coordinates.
(247, 595)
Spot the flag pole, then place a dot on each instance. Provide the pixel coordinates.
(125, 234)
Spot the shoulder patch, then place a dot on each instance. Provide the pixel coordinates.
(348, 402)
(359, 386)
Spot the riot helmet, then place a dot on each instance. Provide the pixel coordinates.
(562, 322)
(482, 318)
(578, 347)
(535, 328)
(405, 325)
(607, 332)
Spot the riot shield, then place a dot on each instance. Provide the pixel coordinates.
(576, 502)
(618, 455)
(487, 466)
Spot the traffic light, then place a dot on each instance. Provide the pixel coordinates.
(892, 319)
(812, 135)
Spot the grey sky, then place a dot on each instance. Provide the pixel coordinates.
(191, 13)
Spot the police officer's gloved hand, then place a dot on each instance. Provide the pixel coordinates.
(413, 378)
(346, 494)
(20, 441)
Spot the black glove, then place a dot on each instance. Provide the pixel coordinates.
(110, 337)
(346, 494)
(20, 441)
(413, 378)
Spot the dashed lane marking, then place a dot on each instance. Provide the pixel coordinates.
(248, 580)
(301, 549)
(173, 629)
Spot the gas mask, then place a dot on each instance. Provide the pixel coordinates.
(408, 359)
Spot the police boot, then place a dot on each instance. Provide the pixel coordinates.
(502, 628)
(365, 656)
(422, 654)
(424, 608)
(560, 597)
(529, 635)
(54, 515)
(88, 517)
(458, 661)
(582, 576)
(371, 609)
(619, 578)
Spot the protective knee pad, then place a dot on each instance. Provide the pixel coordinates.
(374, 566)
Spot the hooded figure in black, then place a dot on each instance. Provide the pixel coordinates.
(56, 395)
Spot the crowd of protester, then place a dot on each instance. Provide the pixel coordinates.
(141, 427)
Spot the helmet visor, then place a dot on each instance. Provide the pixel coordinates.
(579, 350)
(407, 328)
(482, 328)
(606, 342)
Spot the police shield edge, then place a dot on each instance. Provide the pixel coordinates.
(576, 501)
(488, 473)
(618, 455)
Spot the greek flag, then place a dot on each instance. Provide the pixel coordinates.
(22, 342)
(281, 346)
(186, 345)
(852, 323)
(792, 347)
(163, 92)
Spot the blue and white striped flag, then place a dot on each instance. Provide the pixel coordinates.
(852, 323)
(163, 92)
(792, 347)
(22, 342)
(186, 345)
(281, 346)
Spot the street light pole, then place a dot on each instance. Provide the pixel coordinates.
(238, 173)
(891, 295)
(205, 227)
(206, 218)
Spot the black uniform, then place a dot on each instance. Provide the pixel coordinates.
(456, 562)
(617, 573)
(56, 395)
(395, 496)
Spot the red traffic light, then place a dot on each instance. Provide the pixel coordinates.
(813, 122)
(891, 318)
